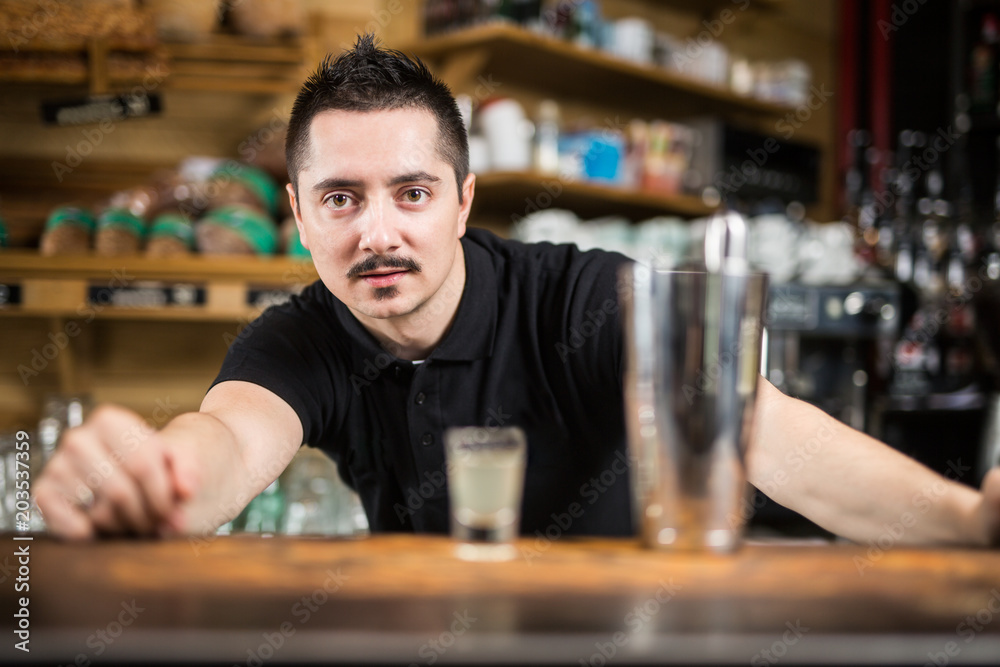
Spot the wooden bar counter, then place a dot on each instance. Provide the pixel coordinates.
(409, 600)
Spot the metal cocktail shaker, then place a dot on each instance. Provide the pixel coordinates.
(693, 360)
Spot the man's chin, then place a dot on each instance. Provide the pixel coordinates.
(385, 294)
(384, 308)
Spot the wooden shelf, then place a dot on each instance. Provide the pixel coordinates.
(98, 63)
(514, 54)
(710, 7)
(228, 288)
(228, 63)
(221, 63)
(514, 194)
(136, 44)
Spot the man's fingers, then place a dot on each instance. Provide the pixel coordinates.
(63, 515)
(184, 476)
(149, 468)
(120, 506)
(111, 475)
(134, 443)
(991, 505)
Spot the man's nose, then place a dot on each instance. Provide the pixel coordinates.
(378, 232)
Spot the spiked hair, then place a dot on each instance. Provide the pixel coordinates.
(370, 78)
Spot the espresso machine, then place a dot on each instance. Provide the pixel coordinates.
(830, 345)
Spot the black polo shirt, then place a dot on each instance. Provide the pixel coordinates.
(536, 343)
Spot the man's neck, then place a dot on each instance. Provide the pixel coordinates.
(415, 335)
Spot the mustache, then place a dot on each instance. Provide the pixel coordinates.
(375, 262)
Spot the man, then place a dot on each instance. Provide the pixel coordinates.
(419, 324)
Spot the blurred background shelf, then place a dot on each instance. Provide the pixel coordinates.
(189, 288)
(511, 53)
(99, 64)
(511, 195)
(229, 63)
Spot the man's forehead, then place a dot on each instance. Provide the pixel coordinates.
(403, 139)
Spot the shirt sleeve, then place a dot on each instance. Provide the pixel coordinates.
(286, 352)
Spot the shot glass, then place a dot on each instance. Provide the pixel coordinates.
(485, 486)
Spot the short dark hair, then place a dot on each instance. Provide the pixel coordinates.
(370, 78)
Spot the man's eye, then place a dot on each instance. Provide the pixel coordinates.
(338, 200)
(414, 196)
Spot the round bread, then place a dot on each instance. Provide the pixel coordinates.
(65, 240)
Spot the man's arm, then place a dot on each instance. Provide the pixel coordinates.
(114, 475)
(857, 487)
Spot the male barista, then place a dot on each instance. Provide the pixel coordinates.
(419, 324)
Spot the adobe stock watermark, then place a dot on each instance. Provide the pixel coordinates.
(7, 569)
(34, 24)
(927, 327)
(101, 639)
(750, 331)
(373, 367)
(58, 341)
(435, 480)
(779, 648)
(590, 492)
(912, 170)
(711, 30)
(229, 509)
(382, 17)
(754, 170)
(436, 647)
(707, 378)
(901, 13)
(795, 460)
(593, 321)
(635, 620)
(276, 124)
(203, 192)
(611, 132)
(301, 612)
(967, 630)
(419, 153)
(551, 190)
(104, 468)
(894, 532)
(136, 103)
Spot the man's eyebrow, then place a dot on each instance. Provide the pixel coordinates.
(415, 177)
(335, 183)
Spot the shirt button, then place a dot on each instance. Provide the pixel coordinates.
(419, 398)
(428, 439)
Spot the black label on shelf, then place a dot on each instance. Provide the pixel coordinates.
(263, 297)
(148, 295)
(100, 109)
(10, 294)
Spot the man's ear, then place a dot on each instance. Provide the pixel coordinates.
(468, 193)
(298, 215)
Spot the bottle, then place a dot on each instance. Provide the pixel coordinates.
(983, 67)
(547, 138)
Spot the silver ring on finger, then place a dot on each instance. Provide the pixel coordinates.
(85, 498)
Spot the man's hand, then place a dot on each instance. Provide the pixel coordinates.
(989, 510)
(115, 475)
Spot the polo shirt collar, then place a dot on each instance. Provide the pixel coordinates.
(474, 329)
